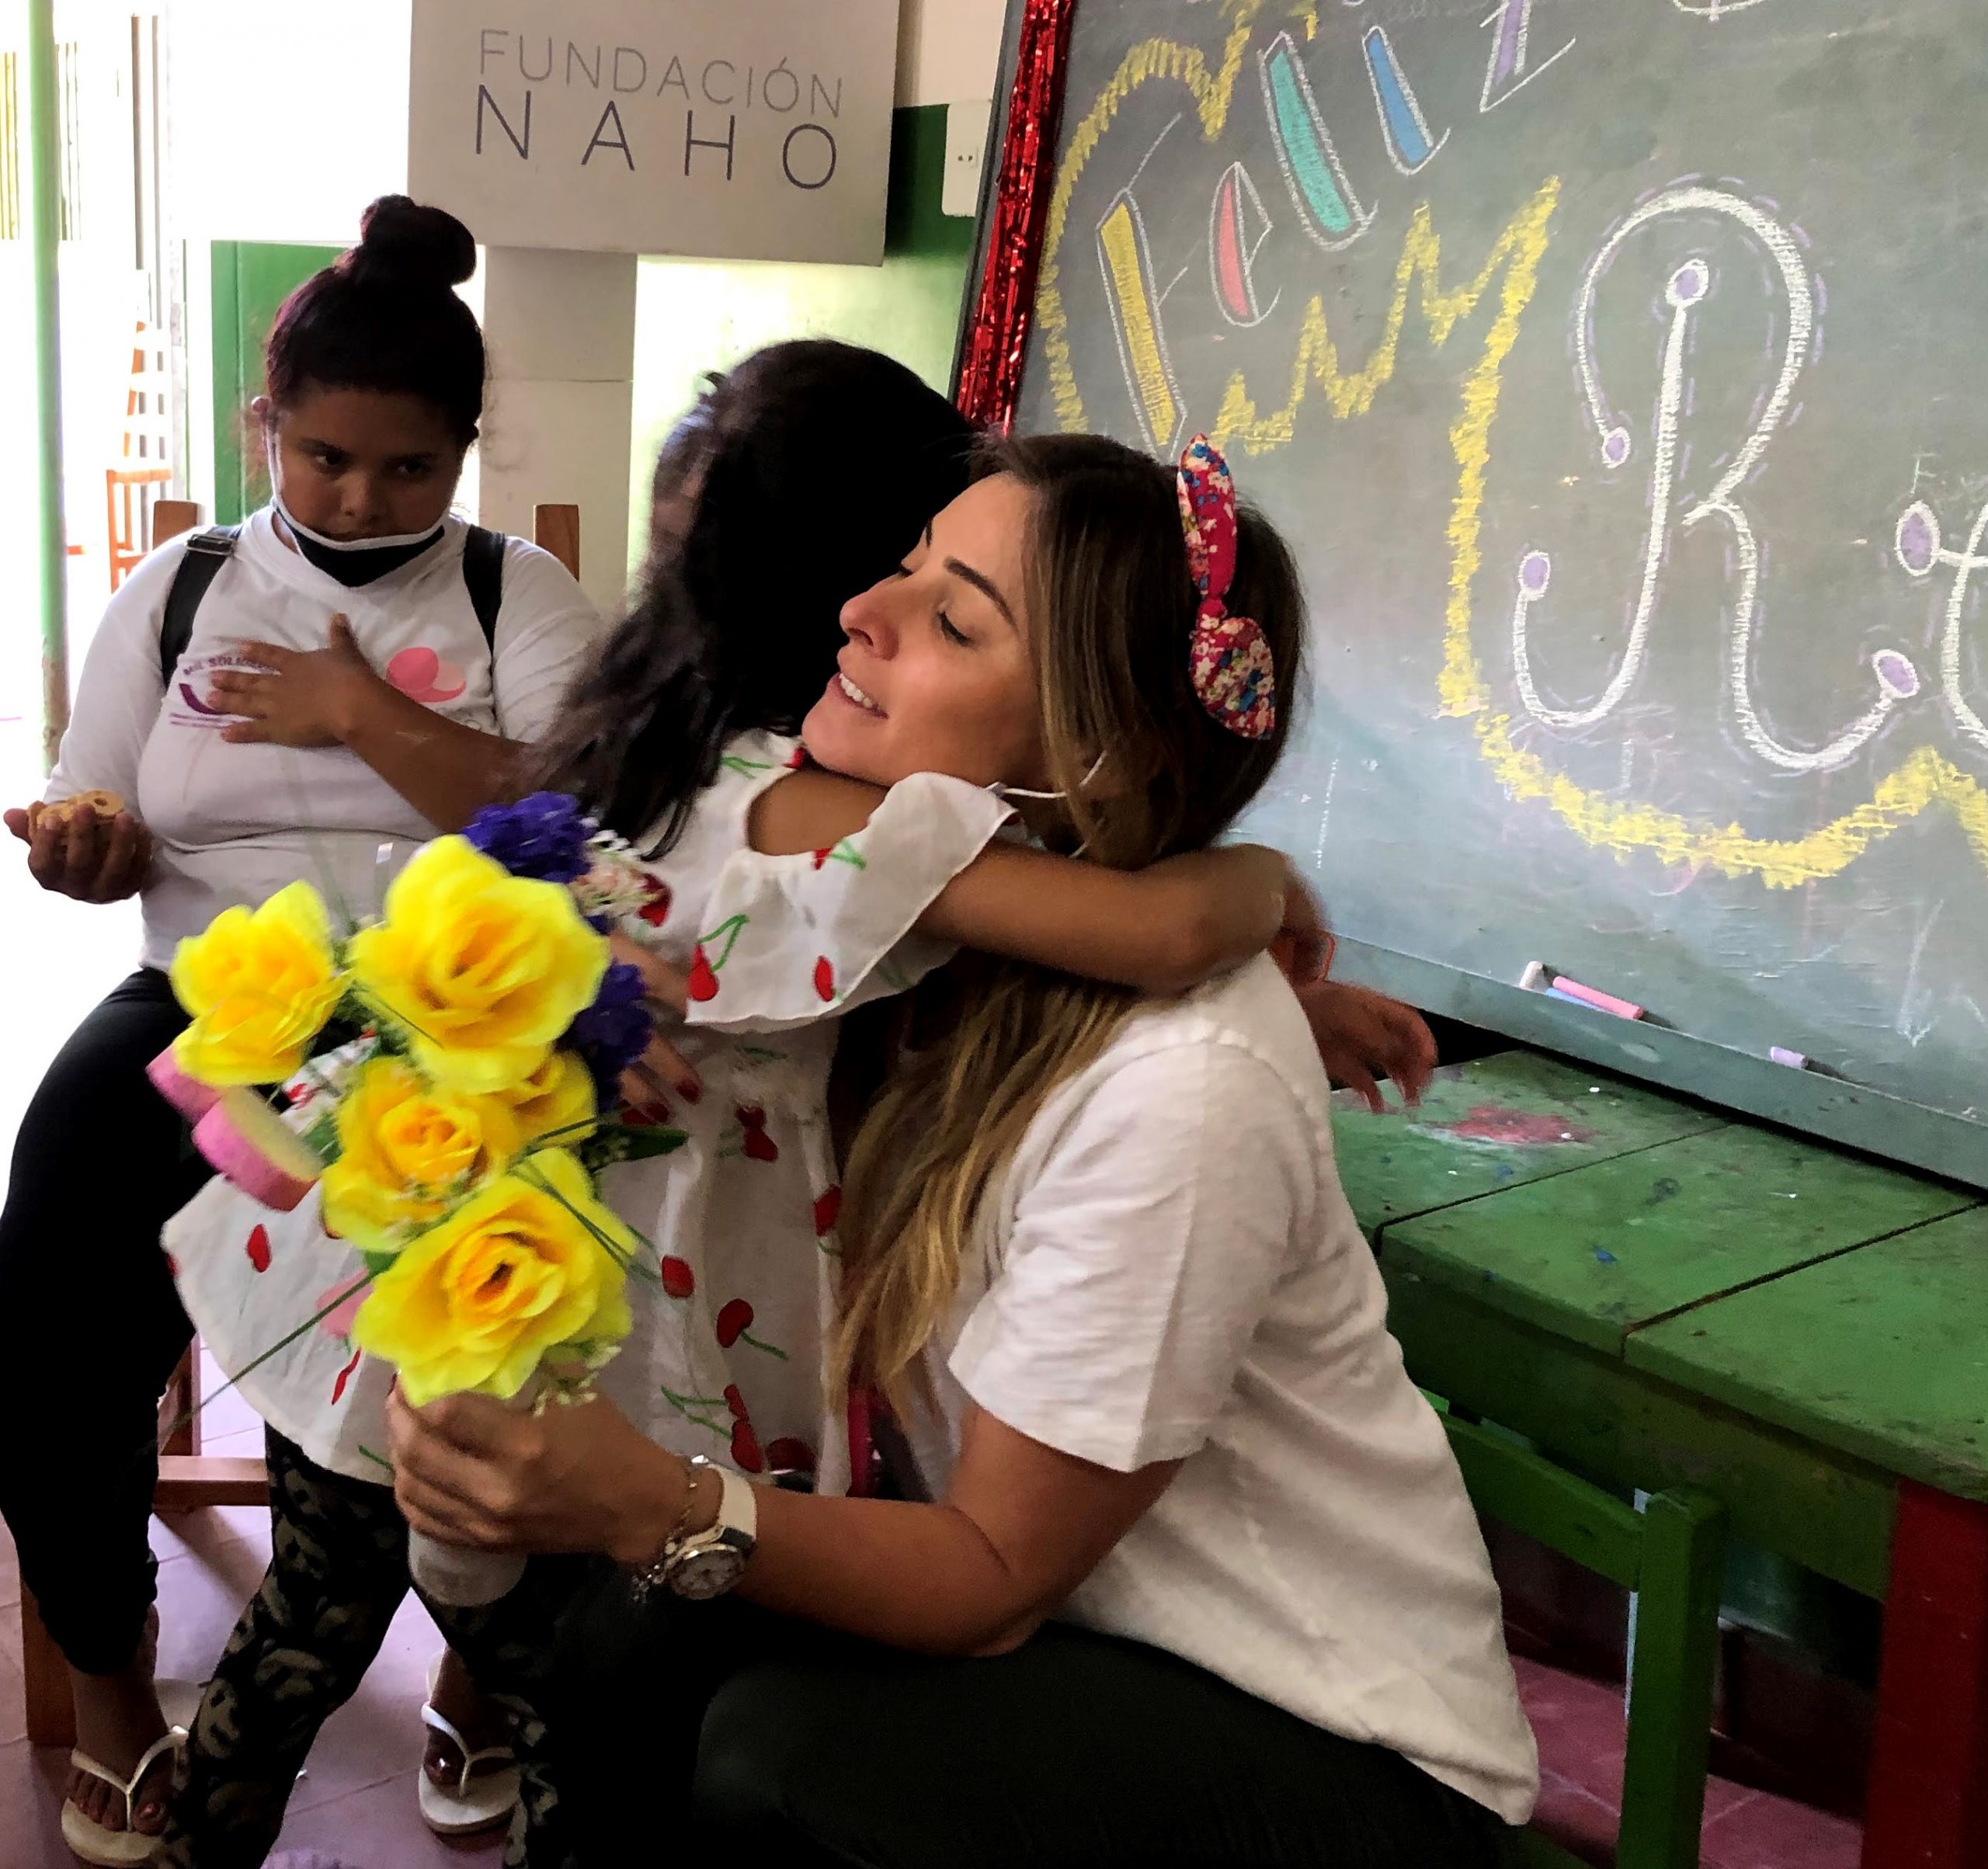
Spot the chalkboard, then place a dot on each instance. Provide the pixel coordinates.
(1615, 367)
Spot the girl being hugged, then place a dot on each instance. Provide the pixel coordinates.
(788, 892)
(1176, 1540)
(353, 666)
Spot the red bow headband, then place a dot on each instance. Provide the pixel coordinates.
(1230, 662)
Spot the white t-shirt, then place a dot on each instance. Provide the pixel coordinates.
(1168, 1270)
(234, 824)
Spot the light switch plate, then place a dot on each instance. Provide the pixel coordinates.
(966, 143)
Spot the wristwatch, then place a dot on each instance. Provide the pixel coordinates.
(701, 1564)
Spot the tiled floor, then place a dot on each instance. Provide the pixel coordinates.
(1578, 1723)
(357, 1798)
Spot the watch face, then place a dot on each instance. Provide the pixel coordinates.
(704, 1574)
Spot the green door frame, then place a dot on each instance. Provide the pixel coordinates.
(251, 280)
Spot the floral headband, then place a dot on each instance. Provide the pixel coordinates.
(1228, 657)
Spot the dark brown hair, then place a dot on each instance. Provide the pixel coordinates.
(385, 317)
(801, 478)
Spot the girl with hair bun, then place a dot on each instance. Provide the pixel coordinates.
(352, 668)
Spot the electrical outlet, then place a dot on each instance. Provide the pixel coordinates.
(966, 142)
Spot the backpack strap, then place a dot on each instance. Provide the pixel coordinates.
(206, 553)
(483, 576)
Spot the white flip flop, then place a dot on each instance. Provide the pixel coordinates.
(478, 1801)
(90, 1841)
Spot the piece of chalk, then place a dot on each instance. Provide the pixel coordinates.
(1553, 993)
(1781, 1055)
(1606, 1002)
(1534, 976)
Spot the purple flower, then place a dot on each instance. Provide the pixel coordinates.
(544, 836)
(614, 1031)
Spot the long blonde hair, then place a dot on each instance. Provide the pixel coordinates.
(1110, 605)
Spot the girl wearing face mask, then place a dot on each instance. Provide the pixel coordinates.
(355, 667)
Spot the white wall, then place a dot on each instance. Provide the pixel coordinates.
(256, 83)
(285, 120)
(948, 50)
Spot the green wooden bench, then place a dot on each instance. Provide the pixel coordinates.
(1658, 1297)
(1673, 1555)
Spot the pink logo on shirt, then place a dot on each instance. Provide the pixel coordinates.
(422, 676)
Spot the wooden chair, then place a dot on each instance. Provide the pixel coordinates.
(1672, 1556)
(188, 1480)
(557, 529)
(131, 526)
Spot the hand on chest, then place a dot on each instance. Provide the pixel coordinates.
(423, 640)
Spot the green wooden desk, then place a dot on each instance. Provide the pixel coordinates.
(1659, 1295)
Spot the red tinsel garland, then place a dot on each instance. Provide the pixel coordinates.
(990, 369)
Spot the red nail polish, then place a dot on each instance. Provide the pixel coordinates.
(690, 1090)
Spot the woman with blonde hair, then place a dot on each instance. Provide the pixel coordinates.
(1179, 1568)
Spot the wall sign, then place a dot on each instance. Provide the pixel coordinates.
(730, 129)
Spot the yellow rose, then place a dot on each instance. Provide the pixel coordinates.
(260, 985)
(556, 1101)
(517, 1270)
(408, 1152)
(485, 970)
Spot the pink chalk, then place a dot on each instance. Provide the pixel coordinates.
(1606, 1002)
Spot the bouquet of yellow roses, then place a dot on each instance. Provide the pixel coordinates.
(447, 1074)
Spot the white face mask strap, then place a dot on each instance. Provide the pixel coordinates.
(272, 455)
(1017, 791)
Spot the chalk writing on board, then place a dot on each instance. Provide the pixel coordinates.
(1713, 9)
(1126, 254)
(1916, 542)
(1317, 179)
(1322, 193)
(1409, 147)
(1238, 227)
(1510, 67)
(1328, 209)
(1685, 293)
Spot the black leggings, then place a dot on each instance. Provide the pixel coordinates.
(338, 1571)
(738, 1736)
(102, 1162)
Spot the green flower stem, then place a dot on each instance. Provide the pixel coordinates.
(275, 1349)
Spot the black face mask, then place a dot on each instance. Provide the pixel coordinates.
(361, 564)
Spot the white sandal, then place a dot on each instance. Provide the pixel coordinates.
(91, 1842)
(478, 1801)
